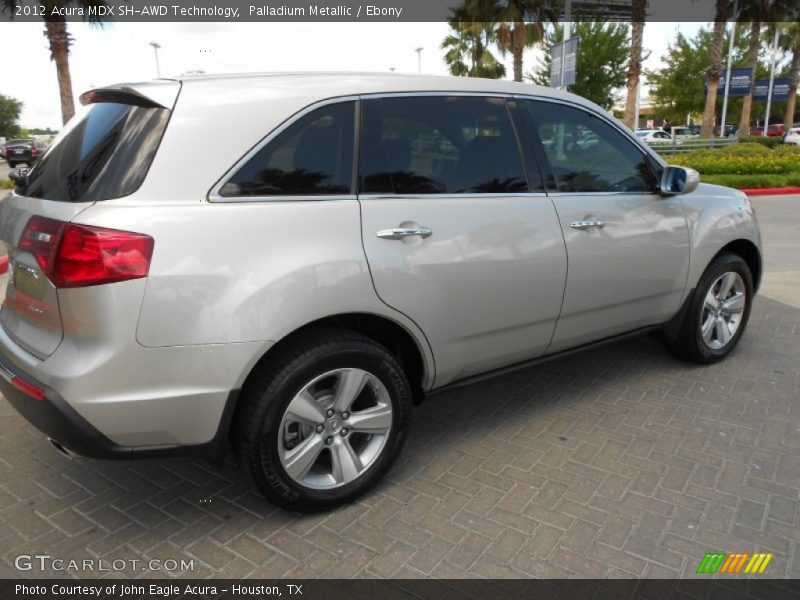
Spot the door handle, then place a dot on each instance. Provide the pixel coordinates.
(398, 233)
(588, 223)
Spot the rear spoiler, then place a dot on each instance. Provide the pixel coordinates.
(160, 94)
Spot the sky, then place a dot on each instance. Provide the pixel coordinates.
(120, 52)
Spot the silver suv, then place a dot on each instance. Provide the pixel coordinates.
(352, 243)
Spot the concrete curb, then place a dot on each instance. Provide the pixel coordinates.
(771, 191)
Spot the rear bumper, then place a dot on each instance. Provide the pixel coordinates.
(54, 417)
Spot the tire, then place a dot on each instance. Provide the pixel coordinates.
(727, 319)
(12, 165)
(271, 440)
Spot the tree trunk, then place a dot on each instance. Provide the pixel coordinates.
(791, 103)
(707, 128)
(518, 48)
(59, 38)
(635, 66)
(752, 62)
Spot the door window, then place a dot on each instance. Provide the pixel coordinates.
(585, 153)
(311, 157)
(439, 145)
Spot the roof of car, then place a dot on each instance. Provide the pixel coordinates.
(354, 82)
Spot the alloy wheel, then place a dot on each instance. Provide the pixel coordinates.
(722, 310)
(335, 428)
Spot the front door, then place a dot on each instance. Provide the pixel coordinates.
(627, 245)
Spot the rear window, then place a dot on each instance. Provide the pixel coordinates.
(104, 154)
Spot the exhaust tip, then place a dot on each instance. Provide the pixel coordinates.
(58, 446)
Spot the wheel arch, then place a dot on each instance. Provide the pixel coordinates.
(749, 253)
(396, 338)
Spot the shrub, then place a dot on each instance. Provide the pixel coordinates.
(754, 181)
(769, 142)
(712, 162)
(745, 149)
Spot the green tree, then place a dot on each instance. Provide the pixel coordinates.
(10, 108)
(60, 40)
(522, 26)
(759, 12)
(790, 42)
(602, 65)
(638, 15)
(678, 88)
(722, 9)
(473, 30)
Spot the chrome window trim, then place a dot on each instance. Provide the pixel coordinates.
(214, 195)
(276, 198)
(450, 195)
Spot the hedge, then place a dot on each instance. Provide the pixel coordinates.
(769, 142)
(754, 181)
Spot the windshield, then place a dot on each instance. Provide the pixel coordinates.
(13, 142)
(642, 133)
(103, 153)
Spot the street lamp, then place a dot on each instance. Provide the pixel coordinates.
(419, 59)
(156, 46)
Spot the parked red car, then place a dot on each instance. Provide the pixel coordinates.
(774, 130)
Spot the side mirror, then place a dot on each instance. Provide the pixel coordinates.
(19, 177)
(14, 175)
(678, 180)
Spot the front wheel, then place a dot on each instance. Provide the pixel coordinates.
(325, 423)
(718, 311)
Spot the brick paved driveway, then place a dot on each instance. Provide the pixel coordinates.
(620, 462)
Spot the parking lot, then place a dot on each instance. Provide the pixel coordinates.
(617, 462)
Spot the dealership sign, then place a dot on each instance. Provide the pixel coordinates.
(739, 83)
(780, 89)
(565, 53)
(740, 86)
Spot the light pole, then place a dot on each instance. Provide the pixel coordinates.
(156, 46)
(419, 59)
(728, 71)
(765, 133)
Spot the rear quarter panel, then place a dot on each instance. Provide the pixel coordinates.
(230, 273)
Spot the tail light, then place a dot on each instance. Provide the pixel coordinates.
(34, 151)
(80, 255)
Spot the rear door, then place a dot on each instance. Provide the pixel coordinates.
(102, 153)
(454, 236)
(628, 246)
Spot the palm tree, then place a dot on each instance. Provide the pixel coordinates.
(516, 32)
(790, 42)
(467, 53)
(635, 66)
(722, 9)
(60, 40)
(473, 29)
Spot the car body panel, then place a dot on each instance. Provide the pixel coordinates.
(628, 274)
(716, 216)
(503, 252)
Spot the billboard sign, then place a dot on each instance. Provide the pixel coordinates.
(739, 84)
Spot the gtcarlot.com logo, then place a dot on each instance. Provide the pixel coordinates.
(734, 563)
(45, 562)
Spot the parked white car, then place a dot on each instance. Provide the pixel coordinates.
(655, 136)
(792, 136)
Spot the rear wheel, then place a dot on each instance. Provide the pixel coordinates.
(12, 165)
(718, 311)
(325, 422)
